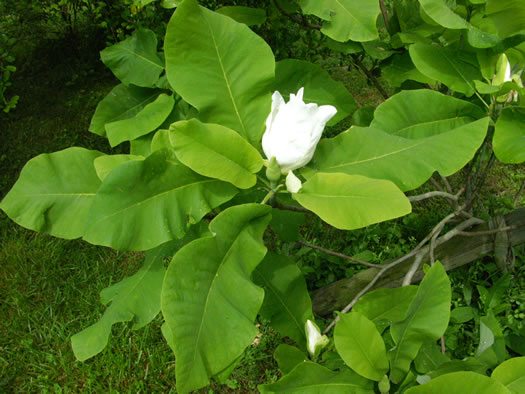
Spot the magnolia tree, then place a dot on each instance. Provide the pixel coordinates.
(226, 143)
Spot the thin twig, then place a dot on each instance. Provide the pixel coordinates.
(287, 207)
(443, 348)
(447, 184)
(385, 15)
(436, 184)
(343, 256)
(370, 76)
(296, 18)
(424, 196)
(413, 268)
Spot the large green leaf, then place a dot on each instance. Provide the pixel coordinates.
(287, 303)
(361, 346)
(401, 68)
(136, 298)
(345, 19)
(135, 60)
(423, 113)
(441, 13)
(509, 135)
(220, 67)
(507, 15)
(311, 378)
(460, 383)
(142, 204)
(123, 102)
(105, 164)
(208, 299)
(389, 305)
(348, 202)
(216, 151)
(54, 193)
(144, 122)
(376, 154)
(512, 374)
(288, 357)
(426, 319)
(247, 15)
(319, 87)
(453, 67)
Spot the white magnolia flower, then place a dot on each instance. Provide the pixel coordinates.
(508, 73)
(293, 130)
(314, 340)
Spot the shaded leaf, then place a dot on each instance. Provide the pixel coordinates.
(509, 135)
(460, 383)
(247, 15)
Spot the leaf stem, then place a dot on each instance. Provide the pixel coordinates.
(267, 197)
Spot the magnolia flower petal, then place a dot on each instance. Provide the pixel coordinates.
(508, 73)
(293, 184)
(314, 340)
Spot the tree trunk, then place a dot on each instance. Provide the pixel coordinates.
(454, 253)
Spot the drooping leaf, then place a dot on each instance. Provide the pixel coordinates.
(142, 204)
(509, 135)
(224, 70)
(312, 378)
(401, 69)
(361, 346)
(455, 68)
(441, 13)
(507, 15)
(389, 305)
(429, 358)
(105, 164)
(216, 151)
(423, 113)
(376, 154)
(286, 224)
(208, 299)
(345, 19)
(136, 298)
(247, 15)
(319, 87)
(135, 60)
(144, 122)
(352, 201)
(288, 357)
(461, 383)
(427, 319)
(123, 102)
(287, 303)
(54, 193)
(512, 374)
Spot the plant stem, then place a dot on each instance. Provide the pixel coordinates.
(370, 76)
(268, 196)
(385, 15)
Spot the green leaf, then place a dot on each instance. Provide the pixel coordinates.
(462, 314)
(123, 102)
(136, 298)
(427, 319)
(509, 135)
(361, 346)
(512, 374)
(287, 303)
(441, 13)
(386, 304)
(286, 224)
(345, 19)
(161, 140)
(54, 193)
(144, 122)
(455, 68)
(376, 154)
(288, 357)
(216, 151)
(220, 67)
(319, 87)
(135, 60)
(401, 69)
(311, 378)
(429, 358)
(423, 113)
(348, 202)
(247, 15)
(142, 204)
(460, 383)
(507, 15)
(105, 164)
(208, 299)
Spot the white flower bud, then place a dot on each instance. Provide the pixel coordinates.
(293, 130)
(293, 184)
(314, 340)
